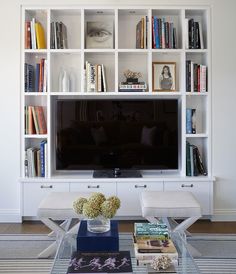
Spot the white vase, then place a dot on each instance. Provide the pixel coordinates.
(99, 224)
(64, 81)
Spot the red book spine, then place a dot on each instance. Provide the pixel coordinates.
(27, 35)
(198, 79)
(41, 72)
(41, 120)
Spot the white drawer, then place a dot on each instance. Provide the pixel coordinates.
(108, 188)
(201, 191)
(129, 194)
(33, 193)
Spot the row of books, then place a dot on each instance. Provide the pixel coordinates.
(194, 163)
(34, 35)
(142, 33)
(132, 87)
(94, 78)
(163, 34)
(194, 37)
(35, 122)
(58, 36)
(152, 241)
(36, 161)
(191, 121)
(36, 77)
(196, 77)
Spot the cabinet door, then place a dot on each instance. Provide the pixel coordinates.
(108, 188)
(201, 191)
(129, 194)
(33, 193)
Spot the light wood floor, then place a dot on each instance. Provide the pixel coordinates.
(202, 226)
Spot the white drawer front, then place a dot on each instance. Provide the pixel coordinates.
(129, 194)
(33, 194)
(201, 191)
(108, 189)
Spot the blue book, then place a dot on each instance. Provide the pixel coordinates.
(42, 157)
(156, 30)
(189, 121)
(37, 70)
(98, 242)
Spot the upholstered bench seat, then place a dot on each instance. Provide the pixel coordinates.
(171, 204)
(58, 206)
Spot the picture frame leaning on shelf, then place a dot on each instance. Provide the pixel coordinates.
(164, 76)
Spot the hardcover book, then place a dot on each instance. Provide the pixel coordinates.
(112, 262)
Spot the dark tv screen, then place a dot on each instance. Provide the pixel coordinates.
(108, 134)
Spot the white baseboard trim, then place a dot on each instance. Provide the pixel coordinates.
(10, 216)
(224, 215)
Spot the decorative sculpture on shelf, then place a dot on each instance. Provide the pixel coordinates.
(132, 76)
(162, 262)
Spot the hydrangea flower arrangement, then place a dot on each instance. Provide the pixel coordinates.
(96, 205)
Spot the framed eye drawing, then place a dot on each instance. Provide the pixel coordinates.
(164, 76)
(99, 35)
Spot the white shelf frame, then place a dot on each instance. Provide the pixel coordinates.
(181, 94)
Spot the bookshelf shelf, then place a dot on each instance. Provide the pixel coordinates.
(122, 52)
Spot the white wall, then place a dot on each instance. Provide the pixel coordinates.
(224, 99)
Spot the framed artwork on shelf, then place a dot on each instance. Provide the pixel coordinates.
(164, 76)
(99, 35)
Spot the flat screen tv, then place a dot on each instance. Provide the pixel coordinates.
(117, 134)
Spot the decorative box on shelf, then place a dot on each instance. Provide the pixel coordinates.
(98, 242)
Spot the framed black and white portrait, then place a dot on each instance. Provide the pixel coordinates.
(99, 35)
(164, 76)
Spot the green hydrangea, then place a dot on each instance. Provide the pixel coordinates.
(115, 200)
(97, 198)
(108, 210)
(78, 205)
(91, 210)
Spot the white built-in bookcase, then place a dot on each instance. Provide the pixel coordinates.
(123, 56)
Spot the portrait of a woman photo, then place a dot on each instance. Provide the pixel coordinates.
(166, 79)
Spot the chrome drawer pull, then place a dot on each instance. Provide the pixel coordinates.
(42, 186)
(97, 186)
(137, 186)
(183, 185)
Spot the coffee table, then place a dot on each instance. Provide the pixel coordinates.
(68, 245)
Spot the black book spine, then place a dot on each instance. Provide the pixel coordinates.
(174, 38)
(191, 33)
(52, 41)
(167, 34)
(188, 76)
(197, 37)
(200, 165)
(195, 168)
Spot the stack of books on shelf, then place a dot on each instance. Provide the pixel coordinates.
(58, 36)
(196, 77)
(194, 38)
(34, 120)
(94, 78)
(190, 120)
(194, 163)
(163, 34)
(152, 241)
(132, 87)
(34, 35)
(142, 33)
(36, 161)
(36, 77)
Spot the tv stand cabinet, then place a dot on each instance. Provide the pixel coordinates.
(122, 56)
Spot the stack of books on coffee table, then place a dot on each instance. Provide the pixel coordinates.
(152, 241)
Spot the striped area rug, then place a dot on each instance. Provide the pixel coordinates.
(43, 266)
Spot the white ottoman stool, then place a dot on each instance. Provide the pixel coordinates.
(171, 204)
(58, 206)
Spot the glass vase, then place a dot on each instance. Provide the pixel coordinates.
(99, 224)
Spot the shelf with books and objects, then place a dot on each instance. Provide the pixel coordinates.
(166, 72)
(99, 31)
(65, 29)
(65, 72)
(196, 28)
(133, 29)
(35, 29)
(166, 29)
